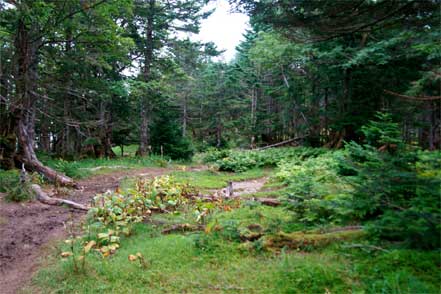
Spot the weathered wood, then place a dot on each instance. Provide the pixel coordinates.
(268, 201)
(281, 143)
(32, 162)
(229, 190)
(46, 199)
(311, 239)
(179, 228)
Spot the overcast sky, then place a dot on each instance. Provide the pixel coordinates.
(223, 28)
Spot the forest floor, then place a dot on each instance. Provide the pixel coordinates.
(238, 248)
(27, 229)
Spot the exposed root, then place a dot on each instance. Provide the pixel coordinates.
(46, 199)
(252, 233)
(268, 201)
(180, 228)
(308, 240)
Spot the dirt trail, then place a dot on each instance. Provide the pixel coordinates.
(243, 188)
(249, 186)
(25, 228)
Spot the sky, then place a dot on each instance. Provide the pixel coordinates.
(224, 28)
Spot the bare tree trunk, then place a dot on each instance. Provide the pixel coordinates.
(31, 160)
(7, 124)
(46, 199)
(145, 103)
(26, 78)
(106, 131)
(218, 135)
(66, 149)
(184, 116)
(144, 129)
(253, 117)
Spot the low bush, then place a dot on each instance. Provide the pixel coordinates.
(8, 179)
(316, 193)
(397, 187)
(242, 160)
(14, 189)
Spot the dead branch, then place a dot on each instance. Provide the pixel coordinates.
(311, 239)
(46, 199)
(281, 143)
(180, 228)
(419, 98)
(268, 201)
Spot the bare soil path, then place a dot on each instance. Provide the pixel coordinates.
(26, 228)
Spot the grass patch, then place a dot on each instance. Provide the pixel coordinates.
(268, 194)
(14, 189)
(129, 150)
(178, 264)
(8, 179)
(231, 255)
(209, 179)
(87, 167)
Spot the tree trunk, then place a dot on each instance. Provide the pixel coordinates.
(106, 132)
(144, 129)
(7, 125)
(31, 161)
(45, 142)
(46, 199)
(145, 103)
(26, 79)
(253, 117)
(184, 116)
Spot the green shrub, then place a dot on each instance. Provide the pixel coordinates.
(317, 194)
(19, 193)
(71, 169)
(242, 160)
(212, 155)
(239, 163)
(397, 188)
(8, 179)
(166, 137)
(15, 191)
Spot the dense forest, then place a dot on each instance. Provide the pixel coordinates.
(322, 135)
(78, 77)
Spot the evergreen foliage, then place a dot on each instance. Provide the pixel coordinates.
(167, 138)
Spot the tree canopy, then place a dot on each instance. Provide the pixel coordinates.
(78, 77)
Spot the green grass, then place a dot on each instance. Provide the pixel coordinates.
(221, 262)
(87, 167)
(8, 179)
(129, 150)
(209, 179)
(177, 264)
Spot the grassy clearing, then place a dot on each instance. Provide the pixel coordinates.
(236, 252)
(201, 263)
(210, 179)
(87, 167)
(177, 265)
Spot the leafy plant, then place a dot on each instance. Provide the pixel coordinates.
(242, 160)
(398, 192)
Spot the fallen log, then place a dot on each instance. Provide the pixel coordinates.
(46, 199)
(307, 240)
(281, 143)
(268, 201)
(251, 233)
(180, 228)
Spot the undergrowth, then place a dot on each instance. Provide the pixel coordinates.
(321, 239)
(87, 167)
